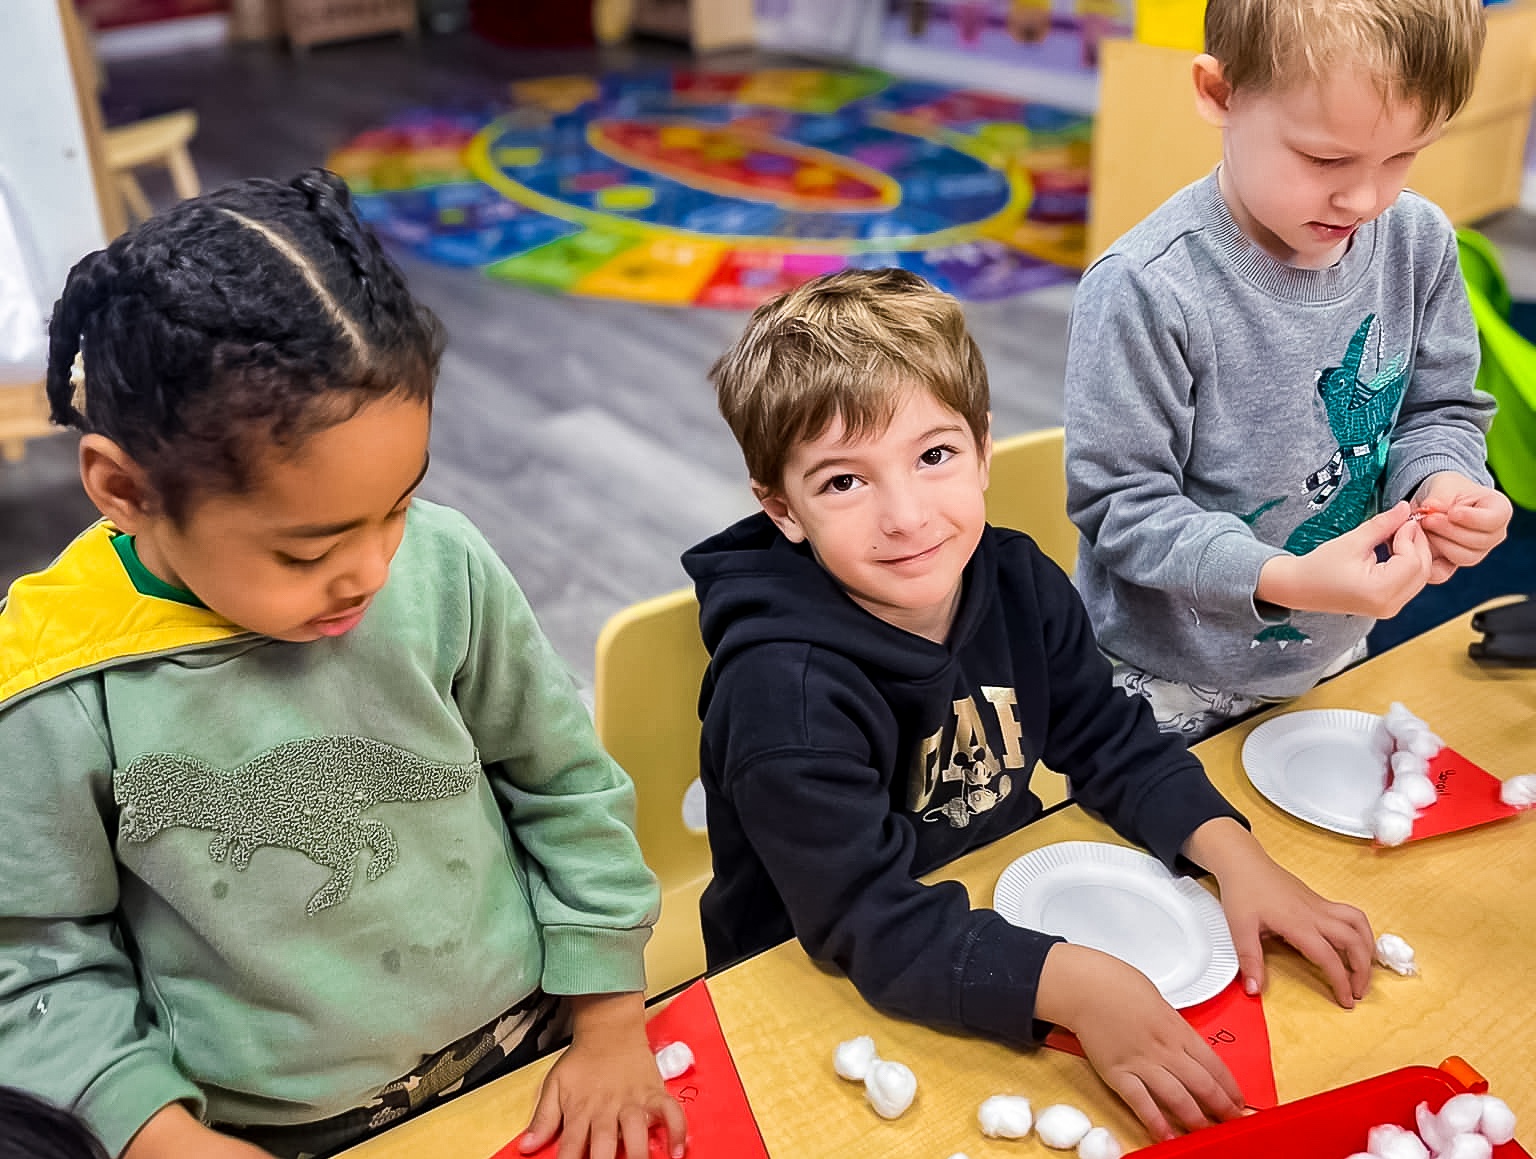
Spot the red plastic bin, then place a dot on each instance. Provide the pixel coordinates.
(1334, 1124)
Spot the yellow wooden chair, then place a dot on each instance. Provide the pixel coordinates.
(158, 140)
(1028, 492)
(650, 660)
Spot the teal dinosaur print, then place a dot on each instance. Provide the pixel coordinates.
(307, 795)
(1360, 417)
(1257, 513)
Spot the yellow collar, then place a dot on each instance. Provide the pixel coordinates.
(83, 613)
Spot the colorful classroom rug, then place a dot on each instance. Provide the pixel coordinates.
(722, 189)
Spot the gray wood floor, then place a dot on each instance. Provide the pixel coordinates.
(580, 435)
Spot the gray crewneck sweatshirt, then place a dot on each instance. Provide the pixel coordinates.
(1223, 407)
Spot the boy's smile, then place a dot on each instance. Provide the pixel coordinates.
(894, 516)
(1304, 167)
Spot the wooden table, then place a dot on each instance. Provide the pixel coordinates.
(1466, 902)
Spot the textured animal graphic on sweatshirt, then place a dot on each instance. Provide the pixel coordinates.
(969, 773)
(1360, 415)
(1346, 490)
(307, 795)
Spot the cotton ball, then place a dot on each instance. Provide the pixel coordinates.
(1061, 1127)
(674, 1059)
(1381, 741)
(1468, 1146)
(1418, 789)
(1461, 1114)
(1398, 715)
(1422, 743)
(1099, 1144)
(1396, 954)
(1520, 792)
(890, 1088)
(1405, 764)
(1393, 801)
(1005, 1117)
(1431, 1130)
(1390, 827)
(1498, 1122)
(854, 1058)
(1389, 1141)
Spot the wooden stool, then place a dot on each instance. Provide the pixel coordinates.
(23, 416)
(154, 140)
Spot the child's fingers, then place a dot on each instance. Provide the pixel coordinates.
(545, 1123)
(635, 1130)
(596, 1140)
(1134, 1091)
(677, 1127)
(1328, 958)
(1246, 939)
(1384, 527)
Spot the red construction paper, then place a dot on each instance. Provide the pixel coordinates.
(1233, 1023)
(720, 1122)
(1468, 796)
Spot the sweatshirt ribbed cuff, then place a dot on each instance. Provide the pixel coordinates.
(128, 1094)
(1406, 477)
(1228, 573)
(592, 960)
(999, 980)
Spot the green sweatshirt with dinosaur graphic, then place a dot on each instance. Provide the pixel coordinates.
(269, 878)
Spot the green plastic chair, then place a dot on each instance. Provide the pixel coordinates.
(1508, 370)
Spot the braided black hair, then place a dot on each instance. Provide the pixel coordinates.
(244, 319)
(32, 1129)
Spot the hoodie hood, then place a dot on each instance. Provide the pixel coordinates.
(756, 587)
(83, 613)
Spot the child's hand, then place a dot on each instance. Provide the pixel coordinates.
(606, 1087)
(1259, 897)
(1462, 520)
(1344, 575)
(172, 1133)
(1139, 1044)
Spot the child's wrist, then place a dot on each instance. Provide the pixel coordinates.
(1280, 582)
(620, 1013)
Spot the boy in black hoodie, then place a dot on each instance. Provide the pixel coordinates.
(886, 670)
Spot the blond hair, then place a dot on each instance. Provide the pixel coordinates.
(1419, 51)
(847, 345)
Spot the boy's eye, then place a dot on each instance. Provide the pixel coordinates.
(841, 483)
(1324, 162)
(298, 560)
(933, 456)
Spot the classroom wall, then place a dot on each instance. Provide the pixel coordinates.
(43, 156)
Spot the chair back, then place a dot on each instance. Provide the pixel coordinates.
(1028, 492)
(650, 662)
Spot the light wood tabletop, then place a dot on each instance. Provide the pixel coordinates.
(1464, 901)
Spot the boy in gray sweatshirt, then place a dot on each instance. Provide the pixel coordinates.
(1273, 437)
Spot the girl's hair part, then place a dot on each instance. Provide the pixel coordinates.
(232, 325)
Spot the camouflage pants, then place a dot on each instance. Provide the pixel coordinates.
(531, 1028)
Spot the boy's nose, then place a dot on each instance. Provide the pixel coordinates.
(904, 510)
(1357, 198)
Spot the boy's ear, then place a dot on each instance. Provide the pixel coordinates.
(1213, 95)
(116, 483)
(773, 502)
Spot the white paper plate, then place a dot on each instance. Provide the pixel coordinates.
(1125, 903)
(1321, 765)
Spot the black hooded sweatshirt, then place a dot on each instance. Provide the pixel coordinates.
(843, 757)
